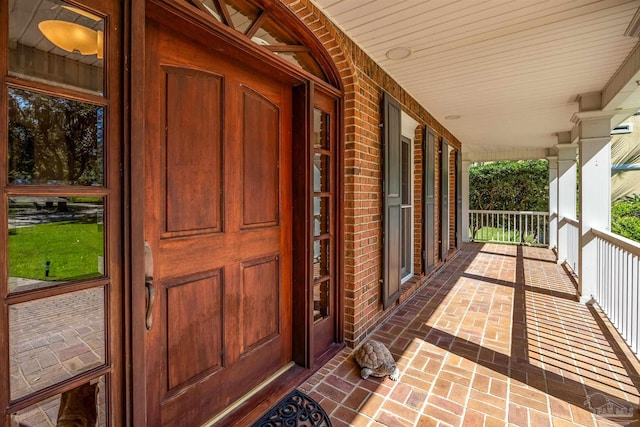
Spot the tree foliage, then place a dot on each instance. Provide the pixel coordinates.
(54, 139)
(625, 217)
(510, 186)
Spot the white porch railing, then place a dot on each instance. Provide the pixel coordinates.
(618, 284)
(509, 227)
(573, 243)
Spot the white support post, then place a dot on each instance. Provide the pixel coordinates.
(465, 200)
(595, 192)
(567, 191)
(553, 201)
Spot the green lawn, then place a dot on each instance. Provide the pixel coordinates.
(72, 250)
(489, 234)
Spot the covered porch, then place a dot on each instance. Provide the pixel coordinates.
(496, 337)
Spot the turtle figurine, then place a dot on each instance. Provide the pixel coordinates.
(375, 359)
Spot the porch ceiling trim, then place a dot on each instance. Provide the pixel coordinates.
(623, 89)
(494, 156)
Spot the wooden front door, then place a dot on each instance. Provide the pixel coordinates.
(218, 227)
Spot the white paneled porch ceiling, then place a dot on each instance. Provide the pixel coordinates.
(511, 69)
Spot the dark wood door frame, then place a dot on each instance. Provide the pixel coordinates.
(302, 231)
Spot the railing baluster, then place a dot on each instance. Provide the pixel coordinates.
(617, 296)
(520, 229)
(635, 305)
(635, 335)
(513, 223)
(493, 227)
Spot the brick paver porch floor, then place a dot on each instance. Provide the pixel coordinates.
(495, 338)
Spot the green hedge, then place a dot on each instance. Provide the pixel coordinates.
(625, 217)
(510, 186)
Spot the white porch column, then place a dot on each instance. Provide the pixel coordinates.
(566, 190)
(465, 200)
(593, 129)
(553, 201)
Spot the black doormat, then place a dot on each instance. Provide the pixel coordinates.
(295, 410)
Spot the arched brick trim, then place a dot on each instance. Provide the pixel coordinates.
(329, 35)
(363, 83)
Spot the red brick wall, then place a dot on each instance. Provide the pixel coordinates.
(363, 83)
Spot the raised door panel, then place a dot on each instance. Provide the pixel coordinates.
(261, 159)
(194, 325)
(193, 154)
(260, 302)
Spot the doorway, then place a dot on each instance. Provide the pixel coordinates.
(218, 214)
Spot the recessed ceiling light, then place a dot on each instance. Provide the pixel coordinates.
(452, 117)
(398, 53)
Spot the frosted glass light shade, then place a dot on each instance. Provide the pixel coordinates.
(70, 37)
(100, 42)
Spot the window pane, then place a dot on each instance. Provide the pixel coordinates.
(91, 399)
(210, 6)
(321, 173)
(304, 61)
(54, 140)
(272, 33)
(53, 339)
(242, 14)
(320, 215)
(406, 242)
(321, 295)
(53, 240)
(406, 172)
(320, 258)
(56, 42)
(321, 133)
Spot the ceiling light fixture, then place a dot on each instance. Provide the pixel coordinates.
(452, 117)
(73, 37)
(398, 53)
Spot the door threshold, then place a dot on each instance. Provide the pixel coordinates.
(258, 401)
(257, 389)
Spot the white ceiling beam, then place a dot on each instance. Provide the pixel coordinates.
(513, 155)
(622, 90)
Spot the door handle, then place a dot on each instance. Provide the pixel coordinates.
(150, 299)
(150, 290)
